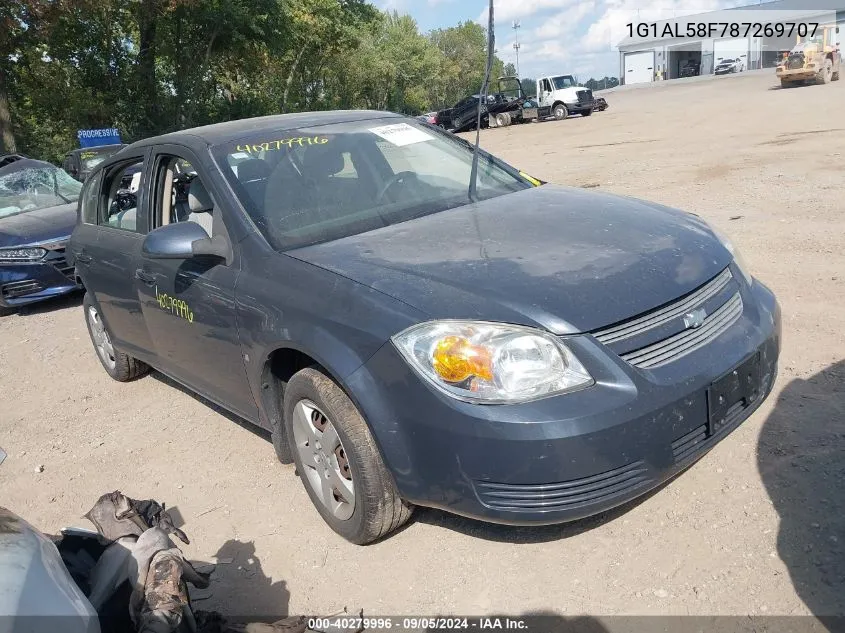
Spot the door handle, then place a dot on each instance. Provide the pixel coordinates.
(147, 278)
(81, 257)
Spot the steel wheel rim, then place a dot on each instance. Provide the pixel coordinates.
(324, 459)
(101, 339)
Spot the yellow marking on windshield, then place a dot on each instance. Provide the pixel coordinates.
(175, 306)
(530, 179)
(267, 146)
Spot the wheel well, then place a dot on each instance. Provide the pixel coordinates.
(279, 368)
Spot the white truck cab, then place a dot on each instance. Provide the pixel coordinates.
(564, 96)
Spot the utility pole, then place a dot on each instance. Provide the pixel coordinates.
(516, 45)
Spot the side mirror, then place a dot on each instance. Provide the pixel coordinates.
(184, 240)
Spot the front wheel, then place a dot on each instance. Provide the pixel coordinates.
(338, 462)
(826, 73)
(118, 365)
(834, 76)
(560, 112)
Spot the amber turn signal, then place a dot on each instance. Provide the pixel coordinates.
(456, 359)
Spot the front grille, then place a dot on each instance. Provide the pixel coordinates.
(688, 341)
(585, 96)
(650, 353)
(561, 496)
(16, 289)
(795, 61)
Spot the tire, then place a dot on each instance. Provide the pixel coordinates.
(586, 112)
(314, 406)
(834, 76)
(118, 365)
(560, 112)
(825, 74)
(785, 83)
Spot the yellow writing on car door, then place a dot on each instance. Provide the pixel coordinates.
(175, 306)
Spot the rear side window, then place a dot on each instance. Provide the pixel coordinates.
(90, 198)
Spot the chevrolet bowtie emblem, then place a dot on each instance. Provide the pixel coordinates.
(695, 319)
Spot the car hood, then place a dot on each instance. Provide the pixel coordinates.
(33, 227)
(564, 259)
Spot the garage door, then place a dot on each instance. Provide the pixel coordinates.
(639, 67)
(731, 49)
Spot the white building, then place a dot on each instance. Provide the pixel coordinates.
(642, 58)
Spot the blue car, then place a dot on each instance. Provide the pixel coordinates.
(497, 347)
(37, 214)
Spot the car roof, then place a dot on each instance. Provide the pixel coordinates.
(231, 130)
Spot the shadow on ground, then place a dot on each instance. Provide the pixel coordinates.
(801, 458)
(240, 590)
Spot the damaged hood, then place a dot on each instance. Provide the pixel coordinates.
(560, 258)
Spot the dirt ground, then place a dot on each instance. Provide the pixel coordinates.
(756, 527)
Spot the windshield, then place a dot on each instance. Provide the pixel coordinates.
(34, 188)
(318, 184)
(567, 81)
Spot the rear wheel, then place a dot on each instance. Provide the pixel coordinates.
(784, 83)
(560, 112)
(586, 112)
(338, 462)
(834, 76)
(118, 365)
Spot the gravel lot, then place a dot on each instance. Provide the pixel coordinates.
(756, 527)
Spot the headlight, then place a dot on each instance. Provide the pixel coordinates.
(738, 259)
(21, 254)
(491, 362)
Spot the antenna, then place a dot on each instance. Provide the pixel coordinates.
(516, 45)
(491, 48)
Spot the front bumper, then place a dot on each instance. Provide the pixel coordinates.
(22, 283)
(797, 73)
(565, 457)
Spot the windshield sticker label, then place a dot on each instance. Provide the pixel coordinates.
(401, 134)
(267, 146)
(175, 306)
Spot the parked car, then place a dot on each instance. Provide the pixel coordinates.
(37, 215)
(729, 65)
(521, 353)
(8, 159)
(429, 117)
(79, 162)
(690, 69)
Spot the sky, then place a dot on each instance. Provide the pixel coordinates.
(573, 37)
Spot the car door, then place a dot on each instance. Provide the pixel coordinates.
(105, 244)
(189, 304)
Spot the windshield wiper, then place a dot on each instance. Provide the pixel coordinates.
(482, 98)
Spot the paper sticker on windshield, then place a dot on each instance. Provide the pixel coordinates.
(401, 134)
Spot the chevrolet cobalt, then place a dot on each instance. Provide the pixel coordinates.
(509, 350)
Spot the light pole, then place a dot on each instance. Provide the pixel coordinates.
(516, 44)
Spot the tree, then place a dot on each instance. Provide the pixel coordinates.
(510, 70)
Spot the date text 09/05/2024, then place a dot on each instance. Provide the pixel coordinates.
(722, 29)
(421, 623)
